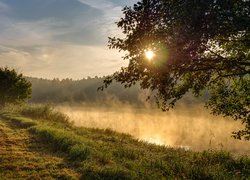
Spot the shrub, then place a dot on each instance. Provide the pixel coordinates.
(14, 87)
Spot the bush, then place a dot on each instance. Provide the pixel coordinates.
(14, 87)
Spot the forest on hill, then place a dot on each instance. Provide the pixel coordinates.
(86, 91)
(78, 91)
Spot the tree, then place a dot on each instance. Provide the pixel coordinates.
(199, 45)
(14, 88)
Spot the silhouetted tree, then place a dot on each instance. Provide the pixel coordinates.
(14, 88)
(198, 44)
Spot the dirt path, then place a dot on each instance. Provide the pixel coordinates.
(23, 157)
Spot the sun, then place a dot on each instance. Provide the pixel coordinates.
(149, 54)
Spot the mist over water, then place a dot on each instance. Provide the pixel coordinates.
(191, 128)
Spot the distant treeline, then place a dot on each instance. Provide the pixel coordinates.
(85, 91)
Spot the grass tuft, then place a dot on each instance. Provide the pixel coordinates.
(64, 141)
(79, 152)
(91, 171)
(46, 112)
(21, 122)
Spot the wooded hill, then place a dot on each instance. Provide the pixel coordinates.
(86, 91)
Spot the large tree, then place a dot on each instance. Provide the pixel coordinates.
(198, 45)
(14, 88)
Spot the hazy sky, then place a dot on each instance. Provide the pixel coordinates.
(60, 38)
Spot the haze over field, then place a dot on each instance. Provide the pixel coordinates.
(189, 125)
(124, 89)
(191, 128)
(67, 39)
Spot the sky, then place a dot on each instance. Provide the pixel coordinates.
(60, 38)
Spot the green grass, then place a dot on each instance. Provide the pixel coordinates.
(23, 156)
(105, 154)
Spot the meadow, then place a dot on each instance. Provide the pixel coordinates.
(91, 153)
(85, 89)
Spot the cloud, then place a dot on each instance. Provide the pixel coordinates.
(3, 8)
(105, 25)
(26, 33)
(47, 21)
(72, 61)
(59, 38)
(99, 4)
(33, 10)
(86, 26)
(103, 4)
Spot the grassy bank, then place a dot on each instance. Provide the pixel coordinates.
(105, 154)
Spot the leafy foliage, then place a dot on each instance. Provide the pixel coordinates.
(199, 46)
(14, 87)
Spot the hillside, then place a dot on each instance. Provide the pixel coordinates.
(86, 91)
(22, 155)
(78, 91)
(39, 142)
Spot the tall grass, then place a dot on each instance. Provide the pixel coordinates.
(38, 112)
(105, 154)
(64, 141)
(46, 112)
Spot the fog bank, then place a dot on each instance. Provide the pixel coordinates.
(191, 128)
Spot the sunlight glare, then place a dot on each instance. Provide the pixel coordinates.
(149, 54)
(45, 56)
(154, 140)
